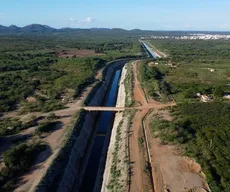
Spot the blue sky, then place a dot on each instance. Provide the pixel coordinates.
(128, 14)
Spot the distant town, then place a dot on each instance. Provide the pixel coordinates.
(193, 36)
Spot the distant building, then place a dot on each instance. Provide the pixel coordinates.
(203, 97)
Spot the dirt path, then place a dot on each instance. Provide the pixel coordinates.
(170, 170)
(156, 51)
(138, 181)
(29, 180)
(139, 94)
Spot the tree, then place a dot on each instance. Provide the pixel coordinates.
(189, 93)
(219, 92)
(51, 116)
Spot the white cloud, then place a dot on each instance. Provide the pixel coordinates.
(87, 20)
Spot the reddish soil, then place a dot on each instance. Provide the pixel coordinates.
(171, 171)
(139, 179)
(70, 53)
(137, 165)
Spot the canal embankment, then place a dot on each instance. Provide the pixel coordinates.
(75, 150)
(82, 150)
(115, 177)
(95, 162)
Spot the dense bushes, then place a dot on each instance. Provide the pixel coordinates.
(26, 73)
(47, 126)
(9, 126)
(17, 160)
(153, 82)
(20, 157)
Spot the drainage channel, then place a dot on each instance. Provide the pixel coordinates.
(103, 127)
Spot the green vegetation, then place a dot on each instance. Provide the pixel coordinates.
(200, 128)
(114, 184)
(152, 80)
(9, 126)
(203, 131)
(17, 160)
(47, 126)
(129, 86)
(34, 77)
(20, 157)
(198, 66)
(141, 142)
(30, 67)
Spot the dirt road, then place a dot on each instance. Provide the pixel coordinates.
(138, 181)
(170, 170)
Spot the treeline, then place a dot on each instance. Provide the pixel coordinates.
(14, 43)
(29, 66)
(49, 76)
(195, 51)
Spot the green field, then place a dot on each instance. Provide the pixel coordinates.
(200, 66)
(201, 129)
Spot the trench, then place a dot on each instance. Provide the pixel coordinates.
(103, 130)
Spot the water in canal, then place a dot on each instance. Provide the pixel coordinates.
(104, 123)
(149, 50)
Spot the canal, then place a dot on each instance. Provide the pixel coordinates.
(148, 50)
(103, 126)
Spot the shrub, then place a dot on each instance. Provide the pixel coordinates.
(21, 157)
(46, 126)
(51, 116)
(219, 92)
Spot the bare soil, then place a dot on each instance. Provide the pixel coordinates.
(172, 171)
(70, 53)
(139, 179)
(30, 179)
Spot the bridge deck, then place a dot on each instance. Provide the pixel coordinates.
(117, 109)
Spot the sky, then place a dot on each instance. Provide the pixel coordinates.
(128, 14)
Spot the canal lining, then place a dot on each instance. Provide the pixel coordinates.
(86, 186)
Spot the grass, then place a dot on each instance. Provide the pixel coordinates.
(114, 184)
(128, 86)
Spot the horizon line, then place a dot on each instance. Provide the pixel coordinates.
(167, 30)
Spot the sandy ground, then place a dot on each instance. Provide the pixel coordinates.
(171, 171)
(29, 180)
(121, 165)
(158, 53)
(69, 53)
